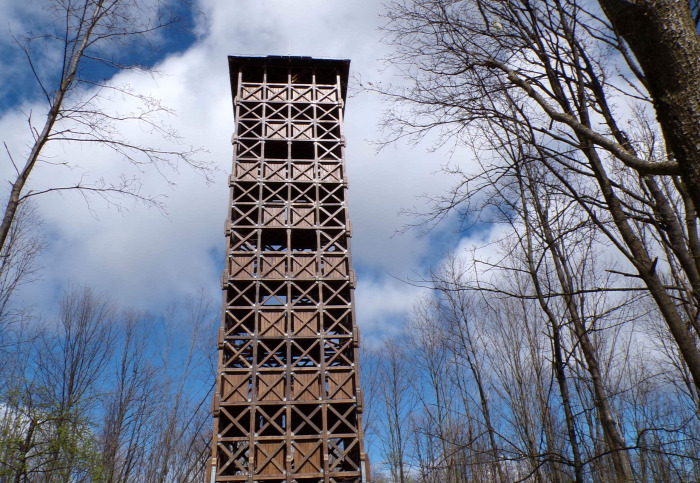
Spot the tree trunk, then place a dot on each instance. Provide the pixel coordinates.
(663, 37)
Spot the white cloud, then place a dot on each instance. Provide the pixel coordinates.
(383, 306)
(145, 259)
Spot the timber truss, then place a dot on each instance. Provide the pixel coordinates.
(287, 406)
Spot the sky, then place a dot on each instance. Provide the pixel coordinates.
(147, 259)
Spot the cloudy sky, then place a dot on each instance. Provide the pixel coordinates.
(148, 260)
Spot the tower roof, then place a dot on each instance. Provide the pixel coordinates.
(342, 65)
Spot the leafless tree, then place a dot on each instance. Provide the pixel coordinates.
(51, 400)
(181, 433)
(551, 83)
(18, 266)
(370, 362)
(131, 404)
(396, 398)
(533, 89)
(103, 395)
(91, 37)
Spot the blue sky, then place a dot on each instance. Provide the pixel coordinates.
(145, 259)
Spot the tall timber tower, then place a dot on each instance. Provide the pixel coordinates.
(288, 405)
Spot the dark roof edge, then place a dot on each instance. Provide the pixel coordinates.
(343, 65)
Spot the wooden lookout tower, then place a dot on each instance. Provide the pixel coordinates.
(287, 405)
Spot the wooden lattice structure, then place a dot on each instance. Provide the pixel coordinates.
(288, 405)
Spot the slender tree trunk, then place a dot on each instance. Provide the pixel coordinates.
(69, 73)
(21, 473)
(613, 437)
(558, 362)
(465, 339)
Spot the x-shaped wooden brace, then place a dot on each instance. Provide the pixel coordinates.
(326, 94)
(275, 171)
(274, 215)
(306, 382)
(276, 112)
(303, 266)
(302, 92)
(337, 323)
(244, 215)
(272, 323)
(326, 150)
(302, 131)
(299, 293)
(335, 266)
(272, 357)
(239, 423)
(337, 350)
(239, 459)
(251, 92)
(276, 92)
(304, 358)
(246, 170)
(269, 420)
(306, 419)
(273, 266)
(302, 171)
(303, 216)
(250, 128)
(274, 193)
(276, 129)
(273, 296)
(240, 294)
(270, 384)
(342, 419)
(244, 325)
(334, 217)
(330, 171)
(269, 457)
(333, 241)
(303, 193)
(302, 112)
(242, 266)
(328, 112)
(235, 386)
(341, 455)
(305, 455)
(334, 295)
(340, 385)
(243, 241)
(239, 354)
(248, 148)
(250, 110)
(331, 193)
(328, 131)
(246, 193)
(305, 321)
(235, 322)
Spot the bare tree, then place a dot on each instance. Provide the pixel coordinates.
(131, 404)
(543, 79)
(56, 389)
(17, 267)
(457, 311)
(396, 397)
(181, 432)
(92, 37)
(535, 89)
(372, 385)
(100, 395)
